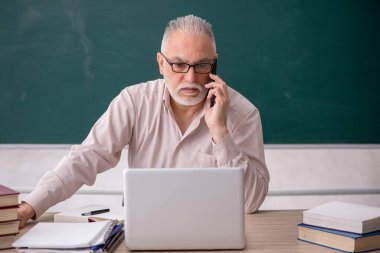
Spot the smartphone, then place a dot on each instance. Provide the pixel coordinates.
(213, 71)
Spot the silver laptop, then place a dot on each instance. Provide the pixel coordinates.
(184, 209)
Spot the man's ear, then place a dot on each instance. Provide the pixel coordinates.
(160, 61)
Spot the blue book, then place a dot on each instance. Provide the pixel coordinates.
(340, 240)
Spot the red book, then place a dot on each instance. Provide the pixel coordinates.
(8, 197)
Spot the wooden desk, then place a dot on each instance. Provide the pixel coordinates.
(266, 231)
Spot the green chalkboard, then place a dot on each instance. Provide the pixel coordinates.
(312, 67)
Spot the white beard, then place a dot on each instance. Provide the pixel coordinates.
(187, 101)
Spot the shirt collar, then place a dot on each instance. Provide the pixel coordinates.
(166, 98)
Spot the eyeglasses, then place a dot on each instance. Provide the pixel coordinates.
(180, 67)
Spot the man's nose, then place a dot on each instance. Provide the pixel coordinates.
(191, 75)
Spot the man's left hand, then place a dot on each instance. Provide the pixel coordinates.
(216, 116)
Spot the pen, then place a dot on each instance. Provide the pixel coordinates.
(96, 212)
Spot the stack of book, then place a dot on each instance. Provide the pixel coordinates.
(8, 216)
(344, 226)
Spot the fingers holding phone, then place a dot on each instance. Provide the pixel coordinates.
(215, 115)
(217, 90)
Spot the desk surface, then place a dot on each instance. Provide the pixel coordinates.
(266, 231)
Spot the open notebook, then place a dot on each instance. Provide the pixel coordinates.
(65, 235)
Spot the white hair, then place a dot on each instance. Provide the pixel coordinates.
(190, 24)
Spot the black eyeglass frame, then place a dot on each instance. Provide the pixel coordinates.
(189, 66)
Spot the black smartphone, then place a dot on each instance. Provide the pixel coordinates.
(213, 71)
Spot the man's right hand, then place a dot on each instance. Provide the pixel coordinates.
(25, 212)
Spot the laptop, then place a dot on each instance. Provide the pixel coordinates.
(184, 208)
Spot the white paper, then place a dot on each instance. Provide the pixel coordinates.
(64, 235)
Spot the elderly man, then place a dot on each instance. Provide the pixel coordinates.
(191, 118)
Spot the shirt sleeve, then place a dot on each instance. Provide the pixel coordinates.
(243, 147)
(101, 150)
